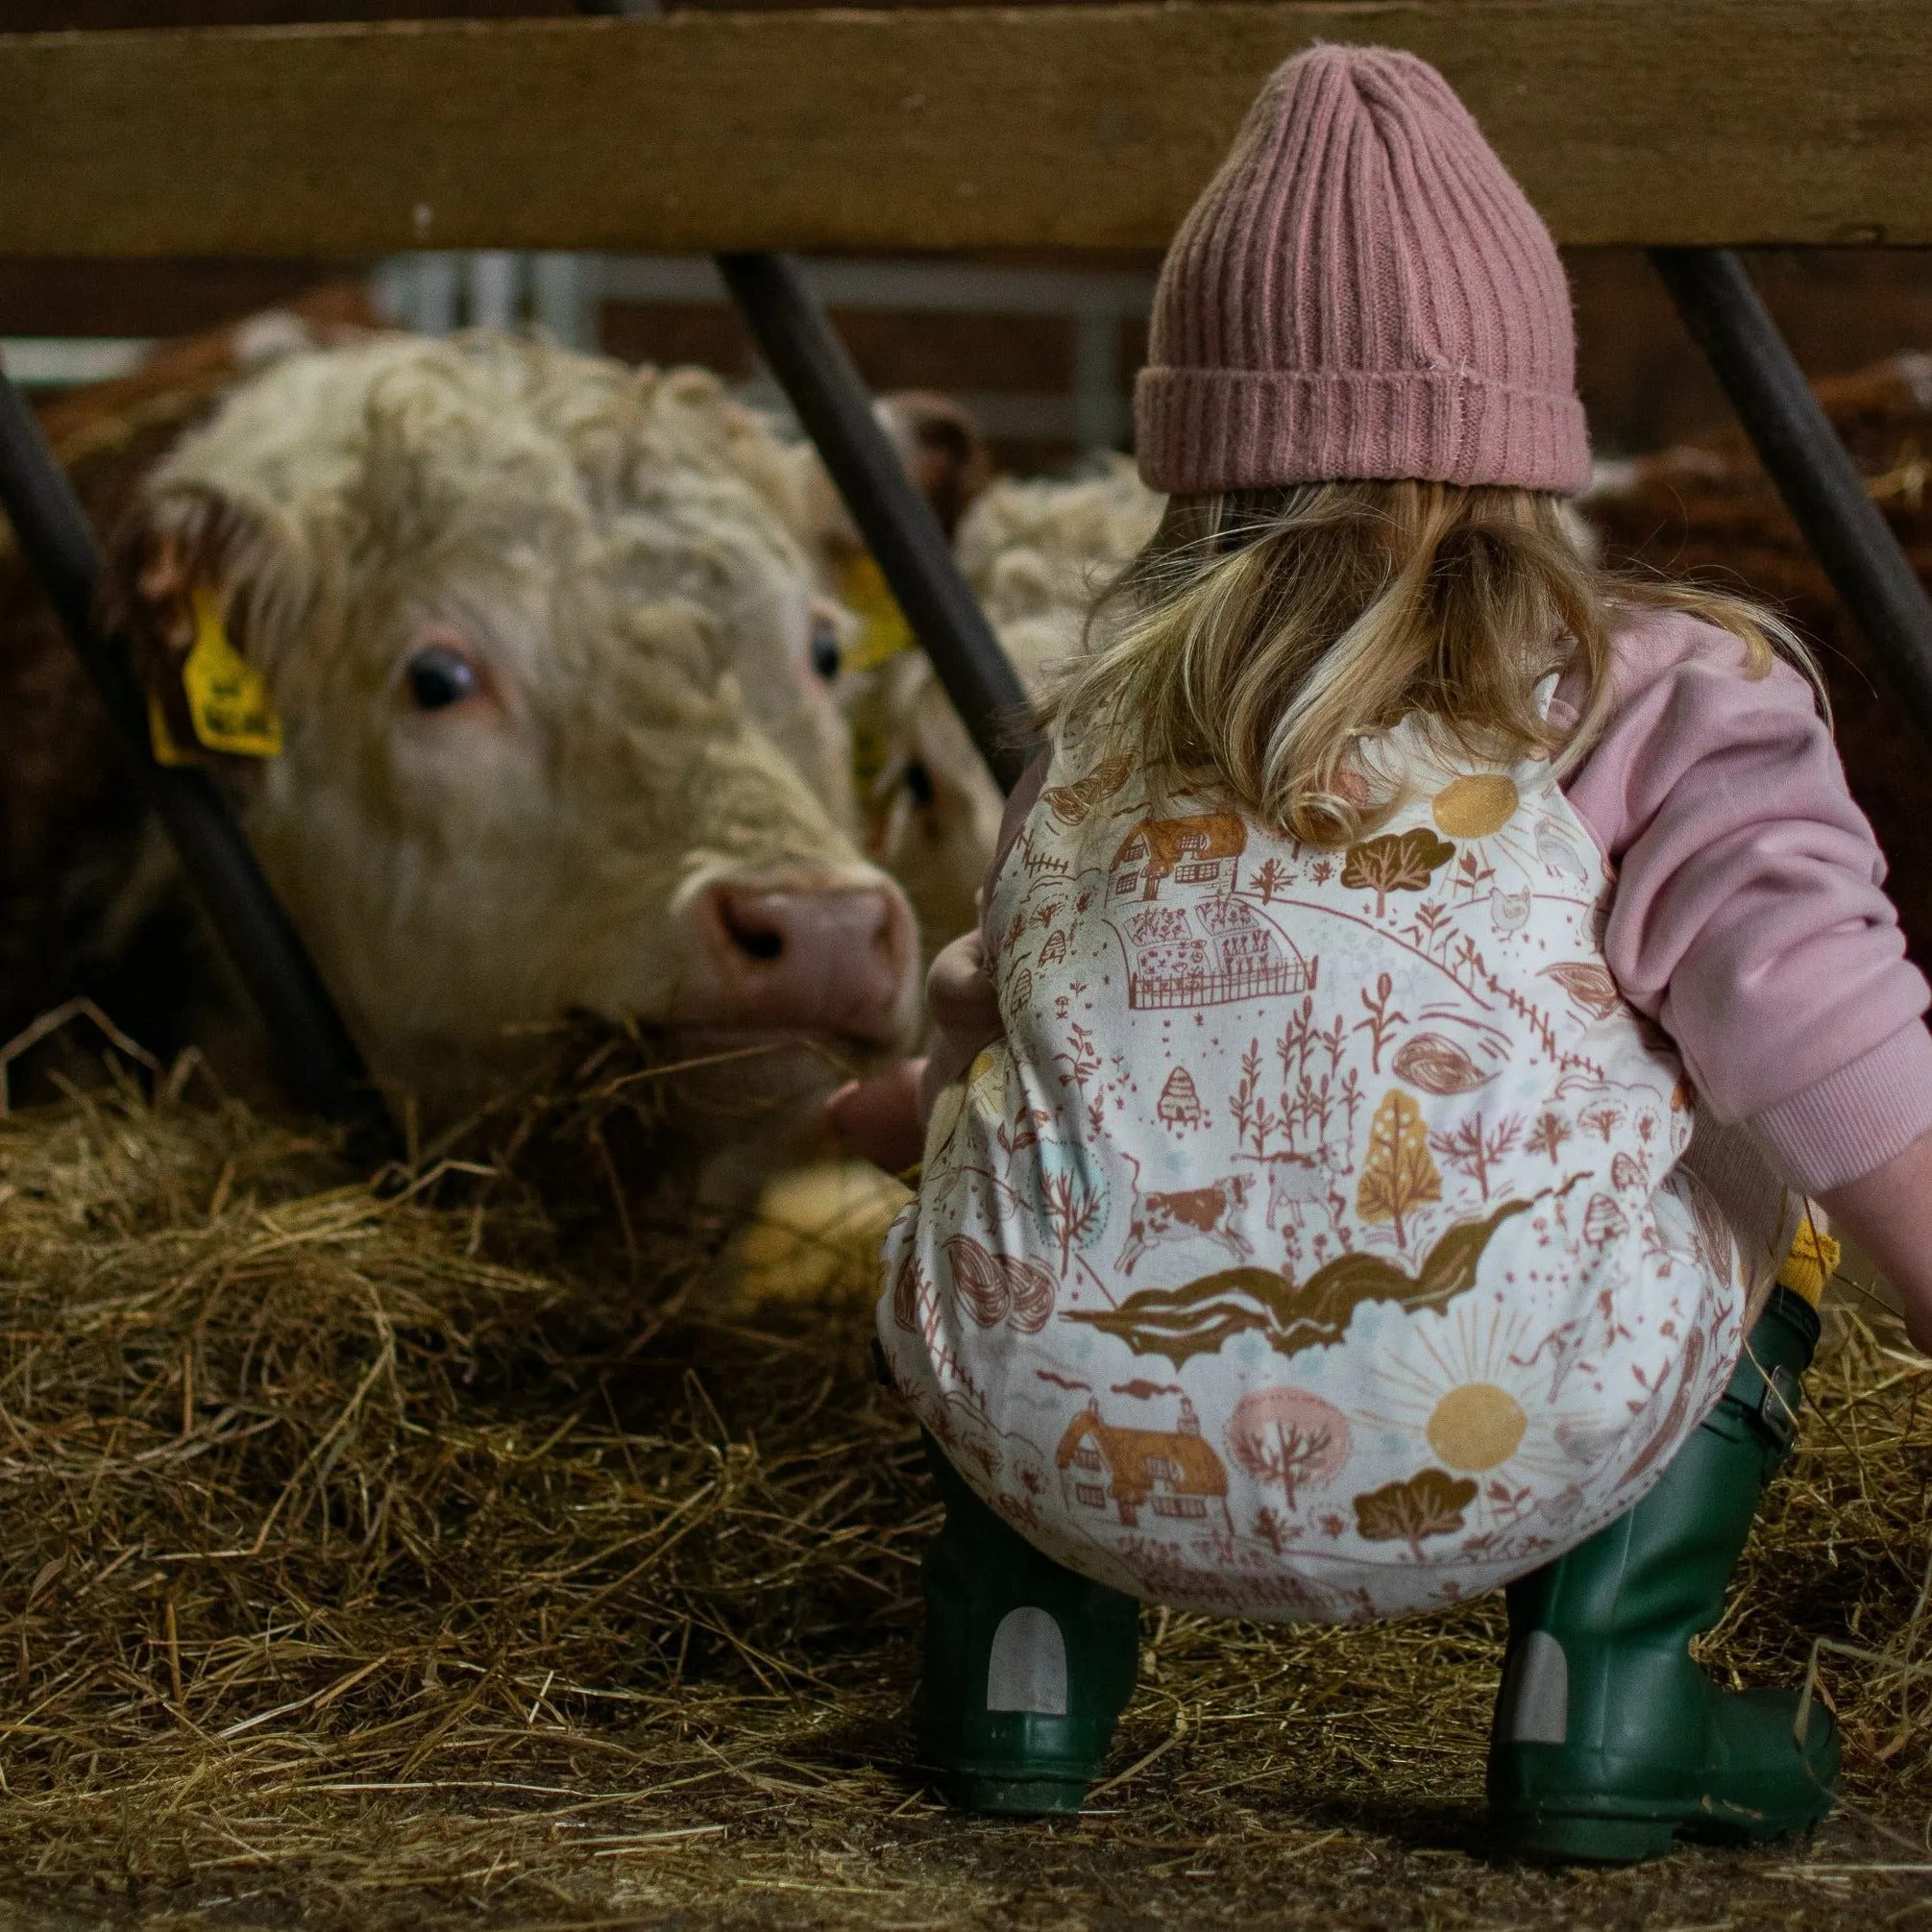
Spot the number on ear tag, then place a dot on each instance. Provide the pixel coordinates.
(228, 702)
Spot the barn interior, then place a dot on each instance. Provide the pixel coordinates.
(425, 1542)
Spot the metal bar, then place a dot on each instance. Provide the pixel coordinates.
(55, 537)
(491, 282)
(1811, 467)
(1096, 380)
(65, 362)
(815, 372)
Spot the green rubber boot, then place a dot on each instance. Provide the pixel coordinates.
(1609, 1742)
(1027, 1665)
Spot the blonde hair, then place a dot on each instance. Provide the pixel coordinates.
(1260, 640)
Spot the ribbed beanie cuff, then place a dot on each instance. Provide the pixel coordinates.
(1362, 291)
(1246, 428)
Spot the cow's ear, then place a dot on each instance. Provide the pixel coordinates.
(939, 440)
(191, 575)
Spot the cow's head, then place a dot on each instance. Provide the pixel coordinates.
(550, 669)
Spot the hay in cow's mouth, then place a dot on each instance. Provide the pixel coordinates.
(594, 1152)
(373, 1559)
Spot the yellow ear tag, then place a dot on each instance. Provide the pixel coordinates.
(863, 590)
(228, 702)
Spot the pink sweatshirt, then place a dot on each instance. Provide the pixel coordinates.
(1749, 918)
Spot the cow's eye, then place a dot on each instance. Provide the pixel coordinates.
(920, 783)
(440, 676)
(826, 655)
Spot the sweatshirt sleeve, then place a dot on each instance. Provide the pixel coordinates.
(1749, 918)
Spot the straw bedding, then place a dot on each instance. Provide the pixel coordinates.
(405, 1549)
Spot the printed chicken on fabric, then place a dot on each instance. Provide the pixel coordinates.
(1314, 1245)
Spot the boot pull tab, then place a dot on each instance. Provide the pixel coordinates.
(1768, 1391)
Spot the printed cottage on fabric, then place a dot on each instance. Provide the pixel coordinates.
(1315, 1244)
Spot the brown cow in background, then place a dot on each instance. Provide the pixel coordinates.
(1707, 508)
(71, 825)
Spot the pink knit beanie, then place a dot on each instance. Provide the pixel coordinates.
(1362, 291)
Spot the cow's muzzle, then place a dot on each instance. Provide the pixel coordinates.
(839, 961)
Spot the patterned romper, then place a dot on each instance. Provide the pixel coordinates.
(1317, 1244)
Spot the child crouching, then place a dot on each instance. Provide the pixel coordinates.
(1409, 1012)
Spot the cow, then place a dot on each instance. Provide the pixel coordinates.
(1298, 1180)
(935, 437)
(1206, 1213)
(544, 647)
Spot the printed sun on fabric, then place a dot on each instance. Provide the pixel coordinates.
(1317, 1244)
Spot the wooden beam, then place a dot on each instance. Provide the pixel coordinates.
(1681, 121)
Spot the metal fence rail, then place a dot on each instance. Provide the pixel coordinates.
(1813, 470)
(900, 528)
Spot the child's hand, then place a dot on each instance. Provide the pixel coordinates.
(965, 1007)
(879, 1120)
(883, 1120)
(1888, 1213)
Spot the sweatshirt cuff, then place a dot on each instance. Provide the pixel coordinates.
(1856, 1121)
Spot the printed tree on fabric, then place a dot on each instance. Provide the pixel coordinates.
(1270, 881)
(1430, 1503)
(1068, 1192)
(1075, 1210)
(1548, 1136)
(1473, 1149)
(1397, 862)
(1397, 1174)
(1290, 1436)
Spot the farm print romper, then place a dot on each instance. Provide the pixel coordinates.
(1329, 1234)
(1315, 1246)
